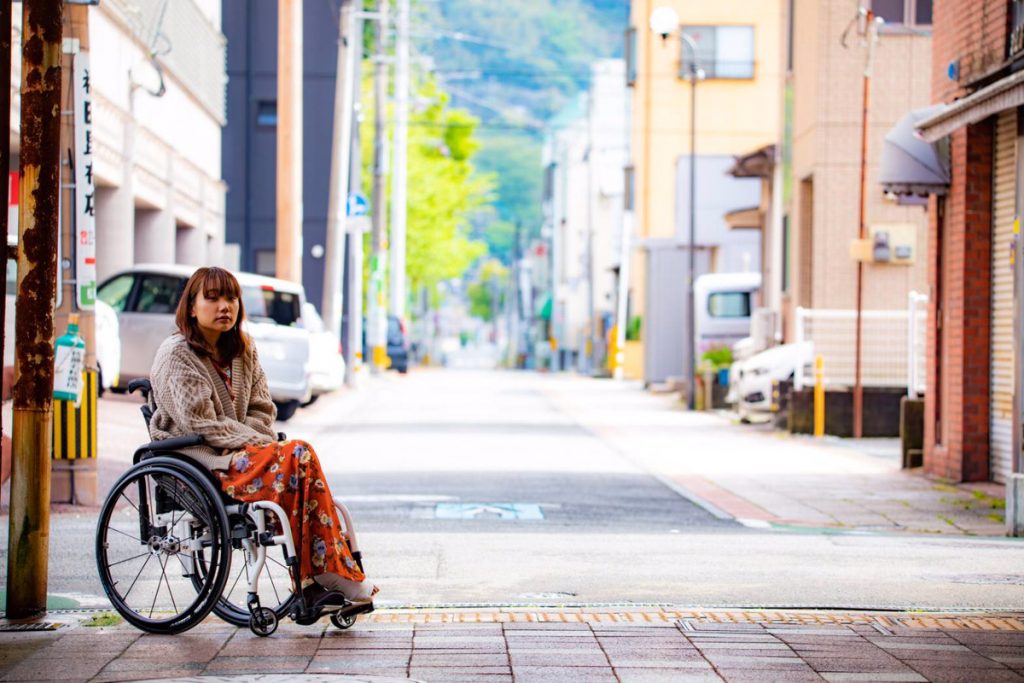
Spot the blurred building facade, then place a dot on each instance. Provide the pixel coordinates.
(157, 84)
(738, 109)
(584, 154)
(250, 147)
(823, 210)
(972, 416)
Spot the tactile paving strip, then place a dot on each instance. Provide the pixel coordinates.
(666, 616)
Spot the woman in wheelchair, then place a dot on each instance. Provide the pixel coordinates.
(207, 380)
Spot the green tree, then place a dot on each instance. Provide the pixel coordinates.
(444, 189)
(487, 291)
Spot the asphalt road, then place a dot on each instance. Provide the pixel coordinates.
(474, 487)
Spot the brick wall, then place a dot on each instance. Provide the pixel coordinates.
(960, 451)
(975, 31)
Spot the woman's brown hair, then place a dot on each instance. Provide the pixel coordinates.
(211, 281)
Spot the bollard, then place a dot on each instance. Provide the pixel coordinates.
(819, 397)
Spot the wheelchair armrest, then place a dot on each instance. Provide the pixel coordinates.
(174, 443)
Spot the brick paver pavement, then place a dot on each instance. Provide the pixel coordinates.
(521, 645)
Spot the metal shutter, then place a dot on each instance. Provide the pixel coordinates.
(1001, 387)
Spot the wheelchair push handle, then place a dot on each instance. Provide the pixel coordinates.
(143, 384)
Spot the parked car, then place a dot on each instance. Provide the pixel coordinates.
(397, 344)
(145, 298)
(750, 386)
(108, 340)
(723, 307)
(326, 362)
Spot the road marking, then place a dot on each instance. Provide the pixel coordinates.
(503, 511)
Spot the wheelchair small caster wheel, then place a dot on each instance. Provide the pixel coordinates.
(263, 622)
(343, 621)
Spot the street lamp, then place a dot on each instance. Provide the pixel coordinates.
(663, 21)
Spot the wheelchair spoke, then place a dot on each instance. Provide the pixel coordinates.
(125, 496)
(125, 596)
(245, 569)
(134, 538)
(168, 582)
(114, 564)
(155, 594)
(277, 596)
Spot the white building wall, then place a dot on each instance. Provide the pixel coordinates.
(157, 159)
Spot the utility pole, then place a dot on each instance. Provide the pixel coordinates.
(858, 387)
(6, 12)
(38, 223)
(289, 140)
(341, 150)
(399, 177)
(377, 313)
(74, 459)
(353, 236)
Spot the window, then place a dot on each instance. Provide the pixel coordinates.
(266, 113)
(266, 262)
(631, 56)
(115, 292)
(905, 12)
(722, 51)
(159, 293)
(629, 189)
(729, 305)
(266, 303)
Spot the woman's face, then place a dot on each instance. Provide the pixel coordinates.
(215, 313)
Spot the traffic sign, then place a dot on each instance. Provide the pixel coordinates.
(357, 205)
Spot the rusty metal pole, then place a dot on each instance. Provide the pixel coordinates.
(38, 222)
(6, 11)
(858, 387)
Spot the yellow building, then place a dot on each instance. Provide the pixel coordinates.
(738, 109)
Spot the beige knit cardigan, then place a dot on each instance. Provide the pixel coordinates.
(191, 398)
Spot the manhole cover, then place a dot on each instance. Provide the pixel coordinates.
(36, 626)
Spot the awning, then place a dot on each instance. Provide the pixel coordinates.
(545, 310)
(911, 167)
(745, 218)
(1004, 94)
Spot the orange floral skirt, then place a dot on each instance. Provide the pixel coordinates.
(287, 472)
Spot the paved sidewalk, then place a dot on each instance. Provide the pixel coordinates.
(502, 646)
(768, 478)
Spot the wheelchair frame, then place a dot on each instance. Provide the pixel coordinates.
(244, 526)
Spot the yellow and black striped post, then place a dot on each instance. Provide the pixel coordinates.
(74, 427)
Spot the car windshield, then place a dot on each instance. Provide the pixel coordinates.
(265, 303)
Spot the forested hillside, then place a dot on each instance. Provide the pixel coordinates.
(515, 63)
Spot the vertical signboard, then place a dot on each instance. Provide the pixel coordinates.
(85, 188)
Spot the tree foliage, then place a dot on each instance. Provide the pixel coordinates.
(487, 291)
(444, 188)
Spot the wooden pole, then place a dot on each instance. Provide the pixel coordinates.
(6, 12)
(289, 140)
(38, 222)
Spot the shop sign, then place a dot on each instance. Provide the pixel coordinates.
(85, 187)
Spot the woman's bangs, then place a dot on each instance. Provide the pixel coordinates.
(217, 281)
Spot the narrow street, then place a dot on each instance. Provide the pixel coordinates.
(480, 488)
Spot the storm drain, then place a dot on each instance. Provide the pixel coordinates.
(36, 626)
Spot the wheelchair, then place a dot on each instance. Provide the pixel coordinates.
(171, 547)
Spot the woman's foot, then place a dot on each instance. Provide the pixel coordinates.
(356, 591)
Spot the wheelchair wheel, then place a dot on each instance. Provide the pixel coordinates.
(159, 516)
(276, 590)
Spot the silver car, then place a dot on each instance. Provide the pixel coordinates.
(145, 298)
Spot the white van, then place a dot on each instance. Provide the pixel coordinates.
(724, 303)
(145, 298)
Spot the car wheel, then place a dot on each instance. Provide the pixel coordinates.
(311, 401)
(286, 409)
